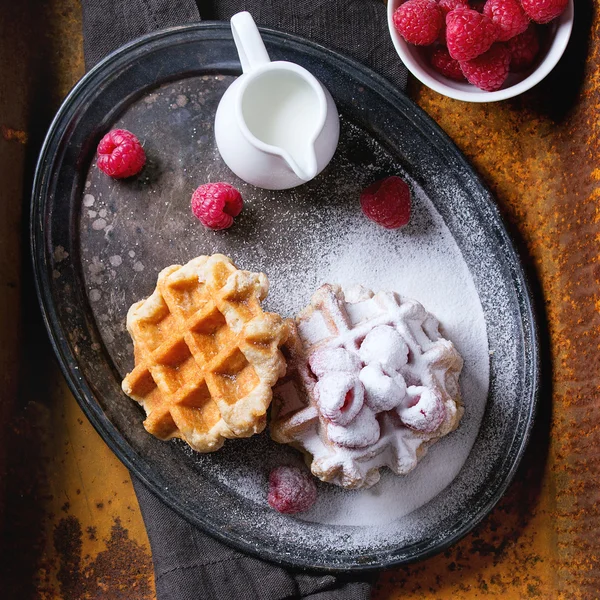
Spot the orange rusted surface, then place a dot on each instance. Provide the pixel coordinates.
(71, 527)
(10, 134)
(73, 523)
(539, 154)
(71, 517)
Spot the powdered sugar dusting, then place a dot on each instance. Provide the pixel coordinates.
(394, 335)
(340, 397)
(384, 346)
(420, 261)
(425, 410)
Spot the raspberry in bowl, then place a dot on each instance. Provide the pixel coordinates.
(509, 58)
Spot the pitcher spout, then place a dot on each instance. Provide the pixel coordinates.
(305, 165)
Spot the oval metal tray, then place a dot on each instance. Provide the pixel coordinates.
(167, 85)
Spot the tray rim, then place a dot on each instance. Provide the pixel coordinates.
(84, 395)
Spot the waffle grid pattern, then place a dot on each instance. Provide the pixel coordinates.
(206, 354)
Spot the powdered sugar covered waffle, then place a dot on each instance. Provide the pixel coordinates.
(370, 383)
(206, 354)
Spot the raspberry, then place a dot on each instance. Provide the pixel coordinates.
(488, 71)
(443, 63)
(291, 490)
(120, 154)
(542, 11)
(425, 410)
(419, 22)
(508, 15)
(523, 49)
(446, 6)
(469, 33)
(387, 202)
(215, 205)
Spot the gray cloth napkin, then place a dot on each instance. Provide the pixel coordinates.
(357, 28)
(188, 564)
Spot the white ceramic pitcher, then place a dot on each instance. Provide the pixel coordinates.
(276, 126)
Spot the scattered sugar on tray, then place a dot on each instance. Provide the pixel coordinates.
(299, 253)
(422, 262)
(429, 268)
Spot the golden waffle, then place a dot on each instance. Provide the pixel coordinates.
(336, 320)
(206, 354)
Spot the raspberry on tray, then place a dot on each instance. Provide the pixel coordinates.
(120, 154)
(291, 490)
(215, 205)
(387, 202)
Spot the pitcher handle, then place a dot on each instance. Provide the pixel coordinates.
(249, 44)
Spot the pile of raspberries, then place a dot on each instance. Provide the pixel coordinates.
(477, 41)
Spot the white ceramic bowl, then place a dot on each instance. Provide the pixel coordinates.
(414, 57)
